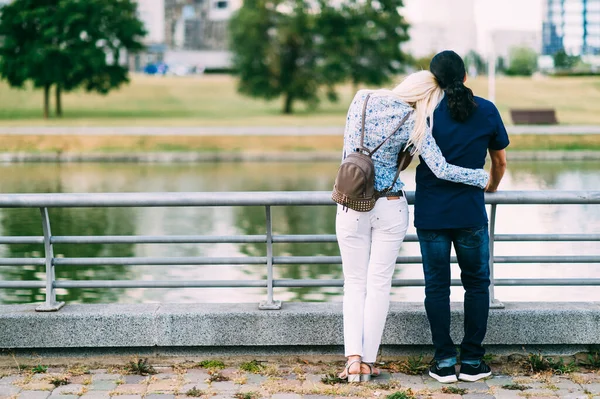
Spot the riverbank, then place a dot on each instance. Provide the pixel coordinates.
(57, 147)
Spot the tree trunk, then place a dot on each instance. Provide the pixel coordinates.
(289, 101)
(58, 101)
(46, 101)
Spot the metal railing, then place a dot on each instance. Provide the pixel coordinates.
(267, 200)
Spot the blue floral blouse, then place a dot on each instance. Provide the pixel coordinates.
(383, 115)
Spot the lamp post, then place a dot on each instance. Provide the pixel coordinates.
(492, 71)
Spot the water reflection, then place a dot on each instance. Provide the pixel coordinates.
(251, 220)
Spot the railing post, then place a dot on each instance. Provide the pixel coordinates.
(269, 304)
(494, 303)
(50, 305)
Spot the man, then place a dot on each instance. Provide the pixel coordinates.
(449, 214)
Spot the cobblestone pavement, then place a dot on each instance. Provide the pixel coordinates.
(299, 380)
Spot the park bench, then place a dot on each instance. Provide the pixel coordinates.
(533, 116)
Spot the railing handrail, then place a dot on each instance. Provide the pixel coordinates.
(258, 198)
(266, 200)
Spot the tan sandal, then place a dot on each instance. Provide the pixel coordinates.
(364, 377)
(345, 375)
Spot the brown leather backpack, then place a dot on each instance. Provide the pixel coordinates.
(354, 185)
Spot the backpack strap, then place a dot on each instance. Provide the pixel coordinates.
(362, 127)
(408, 114)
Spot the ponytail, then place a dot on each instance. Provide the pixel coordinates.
(461, 102)
(449, 71)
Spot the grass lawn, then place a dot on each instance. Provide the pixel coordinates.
(213, 101)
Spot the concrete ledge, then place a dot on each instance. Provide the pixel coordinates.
(297, 324)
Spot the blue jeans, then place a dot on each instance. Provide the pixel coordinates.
(473, 253)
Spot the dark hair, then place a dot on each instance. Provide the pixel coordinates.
(449, 71)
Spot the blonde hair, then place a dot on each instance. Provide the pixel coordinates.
(422, 92)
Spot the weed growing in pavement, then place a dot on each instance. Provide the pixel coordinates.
(247, 395)
(516, 387)
(59, 380)
(140, 366)
(454, 390)
(331, 379)
(194, 392)
(216, 376)
(413, 365)
(408, 394)
(39, 369)
(253, 366)
(593, 359)
(211, 364)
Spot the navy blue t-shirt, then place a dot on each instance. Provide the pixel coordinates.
(440, 204)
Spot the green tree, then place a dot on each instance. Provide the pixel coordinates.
(473, 60)
(360, 40)
(564, 61)
(522, 62)
(293, 48)
(68, 44)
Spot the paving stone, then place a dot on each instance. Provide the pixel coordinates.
(505, 394)
(98, 371)
(80, 379)
(129, 397)
(438, 395)
(40, 377)
(477, 396)
(315, 397)
(164, 376)
(63, 396)
(224, 386)
(540, 392)
(499, 380)
(249, 388)
(473, 387)
(56, 370)
(131, 389)
(196, 373)
(594, 389)
(259, 379)
(432, 384)
(9, 379)
(38, 386)
(95, 395)
(163, 369)
(286, 396)
(34, 394)
(134, 379)
(105, 377)
(568, 385)
(163, 386)
(580, 395)
(70, 389)
(160, 396)
(102, 385)
(187, 387)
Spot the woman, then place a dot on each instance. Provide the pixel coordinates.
(369, 241)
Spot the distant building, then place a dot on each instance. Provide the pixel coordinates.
(186, 33)
(572, 25)
(504, 40)
(437, 26)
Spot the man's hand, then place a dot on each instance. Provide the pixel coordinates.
(497, 171)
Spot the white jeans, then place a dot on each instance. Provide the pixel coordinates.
(369, 244)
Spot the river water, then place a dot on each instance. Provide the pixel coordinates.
(305, 176)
